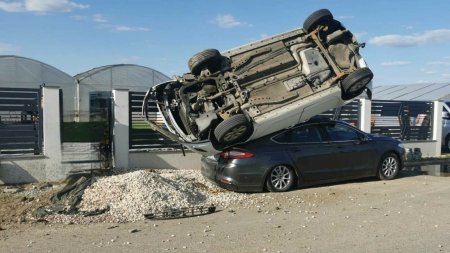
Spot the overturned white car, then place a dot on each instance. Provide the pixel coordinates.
(257, 89)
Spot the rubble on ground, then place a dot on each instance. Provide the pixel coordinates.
(126, 197)
(18, 201)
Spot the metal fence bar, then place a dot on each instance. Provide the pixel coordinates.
(404, 120)
(19, 121)
(348, 113)
(141, 136)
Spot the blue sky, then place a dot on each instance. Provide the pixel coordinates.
(407, 41)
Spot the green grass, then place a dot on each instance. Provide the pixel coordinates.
(139, 124)
(85, 131)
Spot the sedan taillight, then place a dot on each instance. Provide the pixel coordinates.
(236, 154)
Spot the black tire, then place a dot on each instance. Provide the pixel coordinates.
(208, 58)
(389, 166)
(320, 17)
(233, 130)
(280, 178)
(355, 83)
(447, 143)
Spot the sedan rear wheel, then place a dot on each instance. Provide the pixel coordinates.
(281, 178)
(389, 167)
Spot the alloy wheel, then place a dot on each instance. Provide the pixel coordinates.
(389, 166)
(280, 177)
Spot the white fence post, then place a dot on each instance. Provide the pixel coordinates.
(437, 126)
(365, 113)
(121, 139)
(51, 123)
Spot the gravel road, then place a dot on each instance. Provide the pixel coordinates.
(409, 214)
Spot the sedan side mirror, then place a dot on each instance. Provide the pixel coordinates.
(364, 138)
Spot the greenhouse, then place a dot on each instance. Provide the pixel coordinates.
(19, 73)
(94, 86)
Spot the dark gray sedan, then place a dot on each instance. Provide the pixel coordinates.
(314, 152)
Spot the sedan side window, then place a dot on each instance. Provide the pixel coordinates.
(338, 132)
(304, 134)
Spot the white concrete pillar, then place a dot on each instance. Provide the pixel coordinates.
(364, 114)
(121, 128)
(51, 123)
(83, 102)
(437, 126)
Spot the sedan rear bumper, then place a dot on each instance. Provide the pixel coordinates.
(210, 170)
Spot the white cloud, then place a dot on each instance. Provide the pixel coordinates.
(228, 21)
(395, 63)
(53, 5)
(99, 18)
(360, 35)
(41, 6)
(11, 6)
(80, 17)
(395, 40)
(428, 71)
(409, 27)
(439, 63)
(123, 28)
(6, 48)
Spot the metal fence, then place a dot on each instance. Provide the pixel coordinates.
(403, 120)
(20, 122)
(348, 113)
(141, 136)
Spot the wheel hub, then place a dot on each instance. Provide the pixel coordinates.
(235, 133)
(280, 177)
(361, 84)
(389, 166)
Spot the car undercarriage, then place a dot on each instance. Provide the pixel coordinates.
(225, 93)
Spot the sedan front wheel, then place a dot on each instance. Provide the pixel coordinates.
(389, 166)
(280, 179)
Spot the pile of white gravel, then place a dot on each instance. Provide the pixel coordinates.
(131, 195)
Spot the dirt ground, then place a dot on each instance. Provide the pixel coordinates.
(409, 214)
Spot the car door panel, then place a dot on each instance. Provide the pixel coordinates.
(314, 161)
(353, 155)
(351, 158)
(307, 151)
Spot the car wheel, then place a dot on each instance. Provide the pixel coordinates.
(233, 130)
(281, 178)
(447, 142)
(208, 58)
(355, 83)
(389, 166)
(320, 17)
